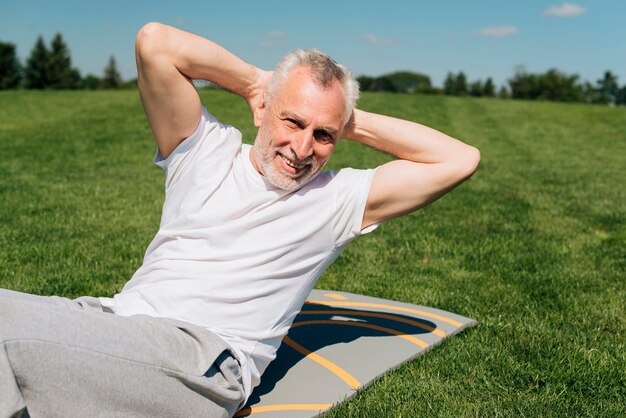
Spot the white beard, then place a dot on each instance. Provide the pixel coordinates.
(278, 178)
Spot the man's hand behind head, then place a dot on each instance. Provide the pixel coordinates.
(256, 98)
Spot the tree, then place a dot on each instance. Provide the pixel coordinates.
(523, 85)
(399, 81)
(448, 84)
(409, 82)
(90, 82)
(111, 78)
(383, 83)
(51, 68)
(460, 84)
(61, 75)
(476, 88)
(10, 69)
(365, 82)
(591, 94)
(552, 85)
(455, 85)
(621, 96)
(558, 86)
(503, 93)
(608, 88)
(489, 90)
(36, 72)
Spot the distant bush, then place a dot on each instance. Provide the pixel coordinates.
(397, 82)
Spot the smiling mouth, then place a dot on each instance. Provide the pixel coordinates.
(290, 163)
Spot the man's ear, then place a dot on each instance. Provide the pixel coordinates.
(259, 111)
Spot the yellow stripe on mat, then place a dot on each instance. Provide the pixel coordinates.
(335, 296)
(384, 306)
(284, 407)
(379, 315)
(338, 371)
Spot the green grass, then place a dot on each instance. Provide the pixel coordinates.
(533, 246)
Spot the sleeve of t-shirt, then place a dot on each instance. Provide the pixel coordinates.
(211, 143)
(352, 187)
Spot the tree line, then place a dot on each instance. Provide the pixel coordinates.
(50, 67)
(552, 85)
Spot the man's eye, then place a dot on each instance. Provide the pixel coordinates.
(323, 136)
(292, 123)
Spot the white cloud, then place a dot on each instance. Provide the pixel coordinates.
(565, 10)
(497, 31)
(273, 39)
(377, 41)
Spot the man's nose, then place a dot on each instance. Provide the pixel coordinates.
(302, 146)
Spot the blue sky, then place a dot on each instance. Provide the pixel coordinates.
(483, 38)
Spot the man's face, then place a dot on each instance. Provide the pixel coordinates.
(298, 130)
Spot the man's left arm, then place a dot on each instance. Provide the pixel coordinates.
(428, 165)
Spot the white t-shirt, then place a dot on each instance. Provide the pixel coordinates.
(235, 254)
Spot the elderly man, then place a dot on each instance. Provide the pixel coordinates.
(245, 233)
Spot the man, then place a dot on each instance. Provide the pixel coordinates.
(244, 235)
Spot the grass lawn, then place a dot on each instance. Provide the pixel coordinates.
(533, 246)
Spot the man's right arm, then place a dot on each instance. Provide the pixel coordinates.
(167, 60)
(429, 164)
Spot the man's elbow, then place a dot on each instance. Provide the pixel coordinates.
(468, 162)
(149, 38)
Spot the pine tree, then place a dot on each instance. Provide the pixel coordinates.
(36, 72)
(10, 69)
(111, 78)
(460, 84)
(61, 73)
(489, 90)
(476, 88)
(608, 88)
(448, 84)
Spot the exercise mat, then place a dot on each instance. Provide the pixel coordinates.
(340, 343)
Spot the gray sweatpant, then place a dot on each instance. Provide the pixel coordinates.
(69, 358)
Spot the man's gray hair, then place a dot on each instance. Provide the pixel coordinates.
(324, 70)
